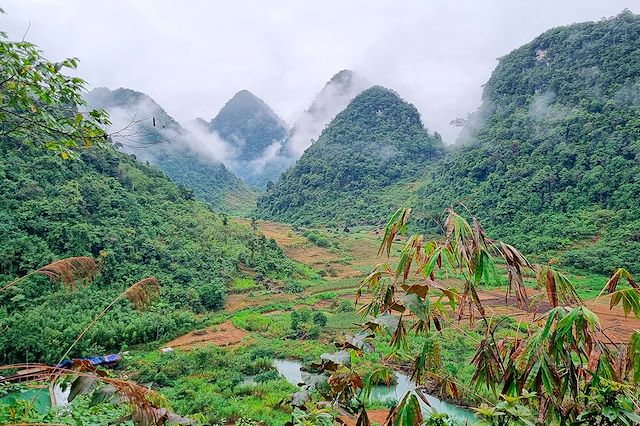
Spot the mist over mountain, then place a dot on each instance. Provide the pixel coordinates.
(333, 98)
(142, 128)
(249, 125)
(552, 157)
(257, 145)
(369, 149)
(247, 135)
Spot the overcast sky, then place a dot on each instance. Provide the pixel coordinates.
(192, 56)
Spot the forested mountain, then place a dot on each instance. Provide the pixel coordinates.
(333, 98)
(551, 159)
(106, 205)
(144, 129)
(369, 152)
(251, 133)
(249, 124)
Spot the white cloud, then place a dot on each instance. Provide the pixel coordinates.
(192, 56)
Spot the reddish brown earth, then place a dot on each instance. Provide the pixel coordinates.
(375, 417)
(224, 334)
(616, 326)
(300, 249)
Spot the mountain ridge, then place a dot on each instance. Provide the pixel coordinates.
(551, 157)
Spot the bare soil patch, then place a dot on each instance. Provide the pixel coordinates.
(375, 417)
(617, 327)
(225, 334)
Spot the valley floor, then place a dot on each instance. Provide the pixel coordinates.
(257, 319)
(224, 373)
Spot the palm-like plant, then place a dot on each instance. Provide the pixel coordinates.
(553, 368)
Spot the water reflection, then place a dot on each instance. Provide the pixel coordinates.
(291, 371)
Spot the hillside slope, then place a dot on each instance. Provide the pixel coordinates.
(551, 161)
(145, 130)
(106, 205)
(377, 144)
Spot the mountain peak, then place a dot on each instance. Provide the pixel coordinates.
(333, 98)
(245, 100)
(377, 142)
(245, 95)
(342, 77)
(379, 106)
(103, 97)
(249, 125)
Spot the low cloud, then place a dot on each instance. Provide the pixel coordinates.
(208, 143)
(540, 107)
(332, 99)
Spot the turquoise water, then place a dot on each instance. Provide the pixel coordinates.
(291, 371)
(42, 398)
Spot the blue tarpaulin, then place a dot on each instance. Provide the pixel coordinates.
(93, 360)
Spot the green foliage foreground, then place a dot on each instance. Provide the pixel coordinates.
(560, 370)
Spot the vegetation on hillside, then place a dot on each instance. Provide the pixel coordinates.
(551, 160)
(376, 142)
(153, 136)
(106, 205)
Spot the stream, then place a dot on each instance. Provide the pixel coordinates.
(290, 369)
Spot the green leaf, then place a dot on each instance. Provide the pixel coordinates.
(416, 306)
(408, 412)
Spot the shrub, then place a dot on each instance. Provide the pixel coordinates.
(346, 306)
(318, 239)
(319, 319)
(267, 376)
(213, 295)
(294, 287)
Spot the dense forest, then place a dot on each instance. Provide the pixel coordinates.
(377, 142)
(552, 157)
(106, 205)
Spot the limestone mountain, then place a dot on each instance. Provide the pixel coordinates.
(144, 129)
(333, 98)
(552, 157)
(252, 133)
(370, 149)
